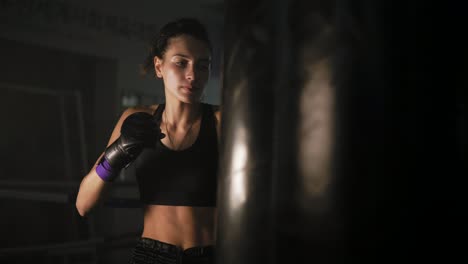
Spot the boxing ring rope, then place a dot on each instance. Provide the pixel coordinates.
(123, 195)
(79, 247)
(67, 192)
(60, 95)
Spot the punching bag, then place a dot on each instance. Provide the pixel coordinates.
(327, 118)
(295, 179)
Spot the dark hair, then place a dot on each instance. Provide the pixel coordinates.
(183, 26)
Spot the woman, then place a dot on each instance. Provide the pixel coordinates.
(174, 149)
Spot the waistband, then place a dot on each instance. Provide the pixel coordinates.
(175, 250)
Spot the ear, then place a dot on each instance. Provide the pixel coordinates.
(157, 66)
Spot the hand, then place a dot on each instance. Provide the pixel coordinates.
(139, 130)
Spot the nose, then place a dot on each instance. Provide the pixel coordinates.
(190, 73)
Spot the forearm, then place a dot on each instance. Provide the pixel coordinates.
(91, 190)
(137, 130)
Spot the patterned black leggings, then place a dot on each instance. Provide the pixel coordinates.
(149, 251)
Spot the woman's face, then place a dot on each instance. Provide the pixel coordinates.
(184, 68)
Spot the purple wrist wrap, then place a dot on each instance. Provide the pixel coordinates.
(104, 171)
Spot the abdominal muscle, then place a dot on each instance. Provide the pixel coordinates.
(183, 226)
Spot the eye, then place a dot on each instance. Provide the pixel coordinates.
(181, 63)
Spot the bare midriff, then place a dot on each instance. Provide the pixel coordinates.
(183, 226)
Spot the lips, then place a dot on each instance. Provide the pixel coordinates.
(190, 88)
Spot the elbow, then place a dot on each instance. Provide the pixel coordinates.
(81, 210)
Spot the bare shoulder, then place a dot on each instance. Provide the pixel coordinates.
(131, 110)
(217, 109)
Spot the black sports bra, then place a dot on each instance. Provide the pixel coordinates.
(187, 177)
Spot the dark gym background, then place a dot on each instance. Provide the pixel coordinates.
(68, 70)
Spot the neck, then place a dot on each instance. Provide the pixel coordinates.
(182, 114)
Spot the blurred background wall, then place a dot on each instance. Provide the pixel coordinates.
(68, 70)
